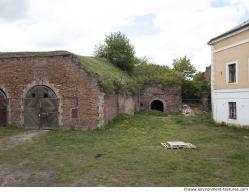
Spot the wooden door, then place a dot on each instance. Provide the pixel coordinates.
(41, 108)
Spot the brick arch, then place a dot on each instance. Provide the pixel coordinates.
(158, 99)
(4, 114)
(50, 86)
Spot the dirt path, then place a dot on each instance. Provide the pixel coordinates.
(13, 141)
(15, 175)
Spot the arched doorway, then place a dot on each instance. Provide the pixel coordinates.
(41, 108)
(157, 105)
(3, 108)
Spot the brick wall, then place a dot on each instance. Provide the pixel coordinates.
(74, 87)
(169, 96)
(81, 103)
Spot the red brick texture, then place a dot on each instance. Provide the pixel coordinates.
(74, 87)
(169, 96)
(82, 105)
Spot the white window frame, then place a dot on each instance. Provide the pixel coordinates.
(236, 111)
(227, 72)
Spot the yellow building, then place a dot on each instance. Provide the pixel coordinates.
(230, 76)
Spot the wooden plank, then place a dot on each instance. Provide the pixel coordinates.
(178, 145)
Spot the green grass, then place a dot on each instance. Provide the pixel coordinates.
(111, 79)
(157, 74)
(132, 155)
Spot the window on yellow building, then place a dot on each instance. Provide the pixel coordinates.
(232, 73)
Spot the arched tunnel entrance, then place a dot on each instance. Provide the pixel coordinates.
(157, 105)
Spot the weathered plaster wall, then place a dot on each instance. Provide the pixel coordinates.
(117, 104)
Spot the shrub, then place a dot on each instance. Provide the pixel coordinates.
(118, 50)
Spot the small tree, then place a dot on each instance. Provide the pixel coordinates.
(194, 85)
(184, 66)
(201, 85)
(118, 50)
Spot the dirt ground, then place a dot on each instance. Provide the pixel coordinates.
(9, 174)
(13, 141)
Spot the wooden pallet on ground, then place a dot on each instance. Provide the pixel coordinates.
(178, 145)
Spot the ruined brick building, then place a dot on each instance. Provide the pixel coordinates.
(62, 90)
(157, 97)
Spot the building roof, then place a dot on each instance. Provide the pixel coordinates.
(110, 78)
(240, 28)
(33, 54)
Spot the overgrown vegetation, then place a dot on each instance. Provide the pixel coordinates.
(184, 67)
(128, 153)
(110, 78)
(194, 84)
(118, 50)
(195, 88)
(146, 73)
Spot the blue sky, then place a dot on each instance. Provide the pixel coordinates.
(159, 29)
(141, 26)
(220, 3)
(245, 16)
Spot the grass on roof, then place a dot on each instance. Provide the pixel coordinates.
(157, 74)
(33, 54)
(110, 78)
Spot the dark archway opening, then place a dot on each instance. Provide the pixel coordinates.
(41, 108)
(3, 108)
(157, 105)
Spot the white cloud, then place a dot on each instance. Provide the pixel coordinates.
(77, 25)
(11, 10)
